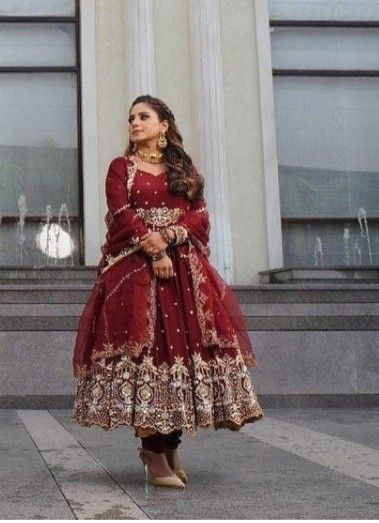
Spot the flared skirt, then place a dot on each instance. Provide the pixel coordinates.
(177, 382)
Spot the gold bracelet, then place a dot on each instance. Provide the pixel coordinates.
(181, 234)
(175, 238)
(165, 235)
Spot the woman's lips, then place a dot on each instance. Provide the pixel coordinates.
(138, 131)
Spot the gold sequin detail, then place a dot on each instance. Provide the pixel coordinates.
(123, 208)
(181, 234)
(218, 393)
(110, 260)
(205, 316)
(160, 216)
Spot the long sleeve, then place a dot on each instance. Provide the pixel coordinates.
(125, 227)
(195, 226)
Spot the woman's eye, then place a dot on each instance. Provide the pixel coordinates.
(143, 116)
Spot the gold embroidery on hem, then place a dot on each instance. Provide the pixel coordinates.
(220, 394)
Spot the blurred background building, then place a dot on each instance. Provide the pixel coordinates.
(277, 102)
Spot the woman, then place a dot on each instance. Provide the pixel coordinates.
(162, 344)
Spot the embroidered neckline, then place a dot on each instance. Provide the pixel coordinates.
(152, 174)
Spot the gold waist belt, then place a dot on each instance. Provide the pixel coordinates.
(160, 216)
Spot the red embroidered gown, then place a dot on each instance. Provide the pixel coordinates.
(160, 354)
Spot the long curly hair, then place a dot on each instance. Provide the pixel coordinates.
(183, 177)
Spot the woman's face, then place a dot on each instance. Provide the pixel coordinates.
(144, 124)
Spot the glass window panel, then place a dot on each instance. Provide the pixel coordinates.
(325, 193)
(41, 244)
(329, 244)
(324, 9)
(37, 44)
(38, 143)
(332, 48)
(39, 169)
(37, 7)
(328, 135)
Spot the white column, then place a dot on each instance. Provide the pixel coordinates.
(139, 30)
(91, 179)
(210, 124)
(270, 160)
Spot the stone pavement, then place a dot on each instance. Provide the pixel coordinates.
(293, 464)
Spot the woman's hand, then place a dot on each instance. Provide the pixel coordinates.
(152, 242)
(163, 268)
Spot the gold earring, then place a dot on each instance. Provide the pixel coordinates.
(162, 141)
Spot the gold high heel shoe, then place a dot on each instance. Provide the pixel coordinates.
(181, 473)
(165, 481)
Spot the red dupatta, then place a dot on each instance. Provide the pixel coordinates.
(102, 331)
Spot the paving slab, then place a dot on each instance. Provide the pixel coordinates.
(27, 488)
(241, 475)
(88, 488)
(355, 460)
(293, 464)
(353, 424)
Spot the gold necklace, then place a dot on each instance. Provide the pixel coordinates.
(150, 157)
